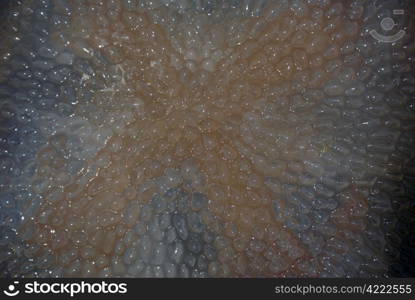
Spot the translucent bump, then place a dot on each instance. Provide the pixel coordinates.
(176, 252)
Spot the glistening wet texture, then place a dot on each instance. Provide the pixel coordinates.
(217, 138)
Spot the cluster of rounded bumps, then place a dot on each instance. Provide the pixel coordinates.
(181, 138)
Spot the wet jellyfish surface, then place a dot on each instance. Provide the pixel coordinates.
(207, 138)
